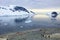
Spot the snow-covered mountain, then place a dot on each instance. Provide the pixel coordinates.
(19, 13)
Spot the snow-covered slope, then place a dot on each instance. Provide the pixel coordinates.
(16, 11)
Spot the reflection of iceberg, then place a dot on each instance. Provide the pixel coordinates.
(18, 13)
(54, 21)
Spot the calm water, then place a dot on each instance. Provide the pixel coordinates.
(37, 22)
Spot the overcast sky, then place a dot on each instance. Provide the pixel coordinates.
(36, 4)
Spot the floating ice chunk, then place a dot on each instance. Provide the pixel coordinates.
(5, 24)
(21, 26)
(28, 21)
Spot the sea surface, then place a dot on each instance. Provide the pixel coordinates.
(38, 21)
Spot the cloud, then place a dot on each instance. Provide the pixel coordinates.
(33, 3)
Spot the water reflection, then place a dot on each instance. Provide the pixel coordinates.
(38, 21)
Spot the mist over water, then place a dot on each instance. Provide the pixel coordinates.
(37, 22)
